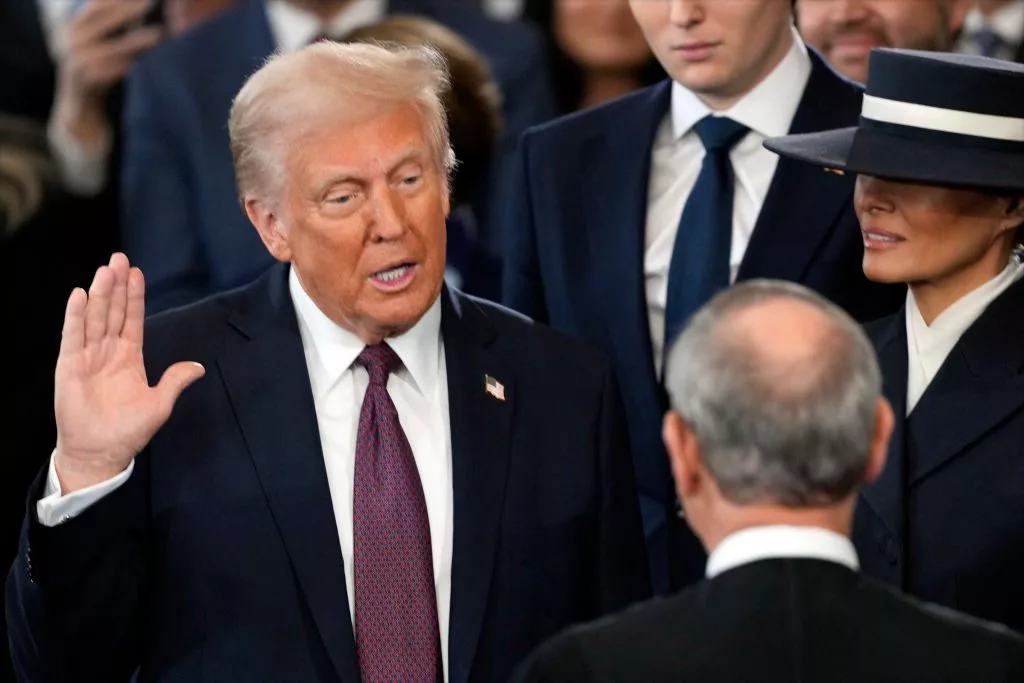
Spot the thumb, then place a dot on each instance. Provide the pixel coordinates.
(176, 379)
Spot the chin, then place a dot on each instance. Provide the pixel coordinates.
(883, 273)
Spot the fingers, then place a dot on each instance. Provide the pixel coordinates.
(98, 305)
(108, 62)
(72, 337)
(119, 294)
(99, 18)
(135, 308)
(175, 380)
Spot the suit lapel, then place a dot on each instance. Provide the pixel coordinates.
(803, 201)
(886, 496)
(976, 389)
(615, 196)
(268, 385)
(481, 427)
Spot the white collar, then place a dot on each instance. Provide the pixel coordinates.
(336, 348)
(780, 541)
(768, 109)
(1007, 21)
(947, 328)
(293, 28)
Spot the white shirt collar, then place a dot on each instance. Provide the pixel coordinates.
(781, 541)
(928, 346)
(768, 109)
(1007, 21)
(335, 349)
(293, 28)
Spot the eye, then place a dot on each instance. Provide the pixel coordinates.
(411, 180)
(341, 199)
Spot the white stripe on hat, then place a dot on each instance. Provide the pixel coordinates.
(945, 120)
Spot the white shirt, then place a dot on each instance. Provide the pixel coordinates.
(780, 541)
(929, 345)
(676, 159)
(293, 28)
(420, 393)
(1007, 22)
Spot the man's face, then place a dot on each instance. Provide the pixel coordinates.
(719, 49)
(362, 221)
(845, 31)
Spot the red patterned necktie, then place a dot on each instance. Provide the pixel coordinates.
(397, 634)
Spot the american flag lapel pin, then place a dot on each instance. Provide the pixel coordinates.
(494, 387)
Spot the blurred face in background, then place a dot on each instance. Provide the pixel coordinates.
(845, 31)
(600, 35)
(719, 49)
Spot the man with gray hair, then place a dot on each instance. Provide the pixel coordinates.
(373, 477)
(777, 417)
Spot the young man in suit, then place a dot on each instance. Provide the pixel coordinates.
(620, 225)
(372, 478)
(182, 223)
(777, 419)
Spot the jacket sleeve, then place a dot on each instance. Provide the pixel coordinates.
(623, 576)
(522, 287)
(159, 193)
(76, 592)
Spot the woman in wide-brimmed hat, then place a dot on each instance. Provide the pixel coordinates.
(939, 158)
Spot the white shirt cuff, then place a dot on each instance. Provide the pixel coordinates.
(54, 508)
(83, 170)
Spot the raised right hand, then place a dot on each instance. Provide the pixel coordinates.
(105, 408)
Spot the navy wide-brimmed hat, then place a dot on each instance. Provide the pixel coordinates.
(929, 117)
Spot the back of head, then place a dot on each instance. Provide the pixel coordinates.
(473, 103)
(780, 389)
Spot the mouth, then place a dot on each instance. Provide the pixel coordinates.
(695, 52)
(395, 278)
(855, 44)
(880, 239)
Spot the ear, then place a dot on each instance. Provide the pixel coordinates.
(683, 454)
(270, 228)
(1013, 213)
(956, 14)
(884, 421)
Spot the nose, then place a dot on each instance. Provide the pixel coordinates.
(686, 13)
(388, 218)
(849, 11)
(871, 196)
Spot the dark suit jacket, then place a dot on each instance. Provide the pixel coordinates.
(782, 620)
(574, 258)
(219, 559)
(945, 521)
(182, 221)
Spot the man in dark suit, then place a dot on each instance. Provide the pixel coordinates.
(376, 479)
(182, 223)
(777, 418)
(600, 197)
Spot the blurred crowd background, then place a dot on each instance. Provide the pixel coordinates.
(113, 136)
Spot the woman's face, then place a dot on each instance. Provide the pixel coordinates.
(600, 35)
(921, 233)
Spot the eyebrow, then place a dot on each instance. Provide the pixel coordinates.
(345, 175)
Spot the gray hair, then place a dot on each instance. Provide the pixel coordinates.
(797, 433)
(341, 83)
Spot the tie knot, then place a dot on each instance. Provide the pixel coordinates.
(719, 133)
(380, 360)
(988, 42)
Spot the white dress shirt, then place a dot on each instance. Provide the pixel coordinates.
(420, 393)
(1007, 22)
(780, 541)
(676, 159)
(928, 346)
(293, 28)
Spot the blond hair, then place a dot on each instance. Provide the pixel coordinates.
(293, 95)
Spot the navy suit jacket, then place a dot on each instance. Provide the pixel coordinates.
(182, 221)
(945, 521)
(219, 559)
(574, 258)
